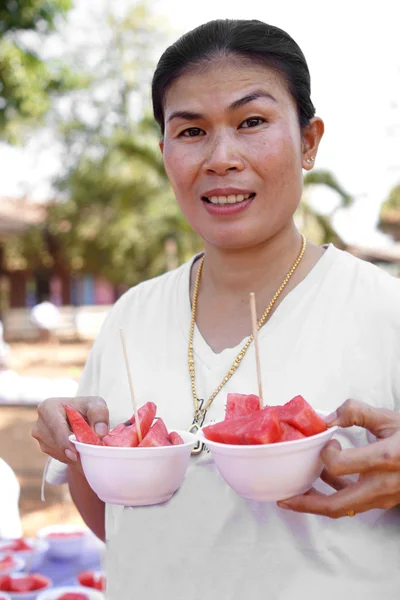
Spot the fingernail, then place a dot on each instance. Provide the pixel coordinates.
(331, 418)
(71, 455)
(101, 429)
(283, 505)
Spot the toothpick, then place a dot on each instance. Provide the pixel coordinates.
(254, 323)
(131, 386)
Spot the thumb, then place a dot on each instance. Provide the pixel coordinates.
(97, 414)
(381, 422)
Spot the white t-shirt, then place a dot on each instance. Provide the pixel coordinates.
(335, 336)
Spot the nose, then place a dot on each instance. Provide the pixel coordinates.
(222, 156)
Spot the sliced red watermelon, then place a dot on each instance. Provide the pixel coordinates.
(301, 415)
(239, 405)
(175, 438)
(156, 436)
(73, 596)
(17, 545)
(7, 563)
(92, 580)
(262, 427)
(86, 578)
(38, 581)
(5, 583)
(128, 436)
(8, 583)
(290, 433)
(81, 428)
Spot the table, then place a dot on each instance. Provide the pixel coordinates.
(64, 572)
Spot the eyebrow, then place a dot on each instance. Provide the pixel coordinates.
(194, 116)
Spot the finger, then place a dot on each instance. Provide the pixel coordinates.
(379, 421)
(55, 426)
(97, 415)
(56, 454)
(359, 497)
(383, 455)
(337, 483)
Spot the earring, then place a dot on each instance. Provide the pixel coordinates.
(310, 160)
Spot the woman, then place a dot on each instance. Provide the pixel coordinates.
(232, 99)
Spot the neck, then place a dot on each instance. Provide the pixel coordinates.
(251, 269)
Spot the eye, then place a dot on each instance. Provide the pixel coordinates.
(192, 132)
(252, 122)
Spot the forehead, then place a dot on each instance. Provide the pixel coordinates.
(221, 82)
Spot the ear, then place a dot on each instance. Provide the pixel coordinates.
(161, 145)
(312, 135)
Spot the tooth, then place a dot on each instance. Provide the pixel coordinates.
(222, 199)
(239, 198)
(231, 199)
(214, 199)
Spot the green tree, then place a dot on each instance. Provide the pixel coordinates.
(315, 224)
(389, 219)
(27, 81)
(116, 214)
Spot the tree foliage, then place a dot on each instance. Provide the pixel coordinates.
(27, 81)
(116, 210)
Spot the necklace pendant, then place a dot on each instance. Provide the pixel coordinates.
(198, 421)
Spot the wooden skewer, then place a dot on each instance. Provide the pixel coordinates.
(131, 386)
(254, 323)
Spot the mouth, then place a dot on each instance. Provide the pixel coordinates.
(231, 199)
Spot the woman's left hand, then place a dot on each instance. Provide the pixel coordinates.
(377, 466)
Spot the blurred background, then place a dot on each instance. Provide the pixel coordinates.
(86, 210)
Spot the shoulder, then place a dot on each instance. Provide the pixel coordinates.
(148, 298)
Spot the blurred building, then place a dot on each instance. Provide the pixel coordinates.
(21, 287)
(386, 258)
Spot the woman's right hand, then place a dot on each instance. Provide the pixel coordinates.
(51, 429)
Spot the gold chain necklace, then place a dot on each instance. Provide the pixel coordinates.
(200, 412)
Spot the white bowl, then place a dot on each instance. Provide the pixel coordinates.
(56, 593)
(19, 563)
(33, 557)
(26, 595)
(64, 547)
(270, 472)
(136, 476)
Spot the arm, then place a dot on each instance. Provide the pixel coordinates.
(91, 508)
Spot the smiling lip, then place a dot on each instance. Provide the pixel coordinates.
(226, 192)
(226, 210)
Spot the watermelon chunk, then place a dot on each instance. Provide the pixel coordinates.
(73, 596)
(301, 415)
(239, 405)
(5, 583)
(127, 435)
(7, 563)
(262, 427)
(175, 438)
(156, 436)
(290, 433)
(86, 578)
(92, 580)
(17, 545)
(81, 428)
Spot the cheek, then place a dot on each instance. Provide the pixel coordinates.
(179, 165)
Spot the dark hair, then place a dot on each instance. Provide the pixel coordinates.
(249, 39)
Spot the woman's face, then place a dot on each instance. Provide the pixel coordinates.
(234, 152)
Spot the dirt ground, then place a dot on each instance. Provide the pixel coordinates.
(20, 450)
